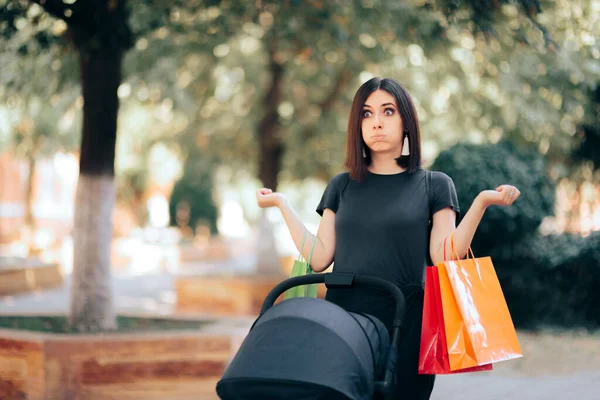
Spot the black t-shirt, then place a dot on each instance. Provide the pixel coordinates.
(381, 228)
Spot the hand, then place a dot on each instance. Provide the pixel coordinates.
(267, 198)
(504, 195)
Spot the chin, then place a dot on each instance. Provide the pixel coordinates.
(382, 148)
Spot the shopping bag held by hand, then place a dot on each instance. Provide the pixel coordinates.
(483, 331)
(433, 356)
(301, 268)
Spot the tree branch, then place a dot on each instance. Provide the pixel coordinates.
(57, 8)
(531, 12)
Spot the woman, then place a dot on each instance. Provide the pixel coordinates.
(376, 218)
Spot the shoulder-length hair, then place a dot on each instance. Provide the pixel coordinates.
(355, 162)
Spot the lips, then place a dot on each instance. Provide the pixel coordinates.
(378, 137)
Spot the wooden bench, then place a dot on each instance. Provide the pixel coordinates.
(18, 275)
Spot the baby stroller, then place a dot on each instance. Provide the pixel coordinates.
(310, 348)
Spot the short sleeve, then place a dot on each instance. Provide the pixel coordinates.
(332, 193)
(444, 193)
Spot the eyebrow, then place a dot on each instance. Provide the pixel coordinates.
(383, 105)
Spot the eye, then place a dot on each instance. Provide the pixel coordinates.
(367, 113)
(389, 111)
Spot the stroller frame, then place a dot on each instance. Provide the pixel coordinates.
(350, 280)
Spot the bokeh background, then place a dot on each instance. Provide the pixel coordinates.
(172, 114)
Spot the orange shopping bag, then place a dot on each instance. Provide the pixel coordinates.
(433, 357)
(479, 328)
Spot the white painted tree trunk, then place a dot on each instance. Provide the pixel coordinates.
(267, 255)
(92, 307)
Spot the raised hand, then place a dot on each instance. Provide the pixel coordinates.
(267, 198)
(504, 195)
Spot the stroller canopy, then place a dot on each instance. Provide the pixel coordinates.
(307, 348)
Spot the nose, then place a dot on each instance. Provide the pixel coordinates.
(377, 122)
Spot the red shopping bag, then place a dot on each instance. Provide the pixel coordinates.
(433, 357)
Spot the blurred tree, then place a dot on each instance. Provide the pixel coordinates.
(589, 134)
(475, 168)
(38, 135)
(280, 93)
(308, 56)
(285, 73)
(169, 79)
(100, 33)
(263, 85)
(42, 108)
(191, 204)
(269, 83)
(483, 15)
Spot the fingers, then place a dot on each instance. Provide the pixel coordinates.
(264, 191)
(514, 195)
(509, 193)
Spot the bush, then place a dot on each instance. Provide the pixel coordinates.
(191, 202)
(551, 280)
(547, 280)
(475, 168)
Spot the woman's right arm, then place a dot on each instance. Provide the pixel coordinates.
(324, 249)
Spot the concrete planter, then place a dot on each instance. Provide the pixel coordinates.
(235, 295)
(165, 365)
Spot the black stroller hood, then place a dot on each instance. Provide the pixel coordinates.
(306, 348)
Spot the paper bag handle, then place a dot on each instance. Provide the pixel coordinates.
(454, 254)
(311, 248)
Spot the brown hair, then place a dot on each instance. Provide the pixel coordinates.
(356, 164)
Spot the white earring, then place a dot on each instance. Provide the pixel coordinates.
(364, 153)
(405, 149)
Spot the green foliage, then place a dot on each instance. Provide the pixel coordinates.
(551, 280)
(208, 60)
(36, 130)
(191, 201)
(475, 168)
(322, 47)
(60, 325)
(484, 14)
(28, 23)
(546, 280)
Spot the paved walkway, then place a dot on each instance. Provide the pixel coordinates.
(494, 386)
(145, 294)
(554, 367)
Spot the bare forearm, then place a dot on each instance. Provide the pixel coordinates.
(297, 228)
(444, 223)
(463, 235)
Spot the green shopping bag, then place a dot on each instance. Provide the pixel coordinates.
(301, 268)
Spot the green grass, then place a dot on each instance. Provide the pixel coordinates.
(58, 324)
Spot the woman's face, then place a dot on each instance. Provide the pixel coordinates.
(382, 125)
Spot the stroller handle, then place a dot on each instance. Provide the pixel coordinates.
(339, 280)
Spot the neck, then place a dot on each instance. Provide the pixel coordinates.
(384, 165)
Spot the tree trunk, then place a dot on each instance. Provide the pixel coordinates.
(269, 135)
(92, 305)
(268, 262)
(28, 218)
(270, 154)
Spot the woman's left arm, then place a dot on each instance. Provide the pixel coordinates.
(444, 222)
